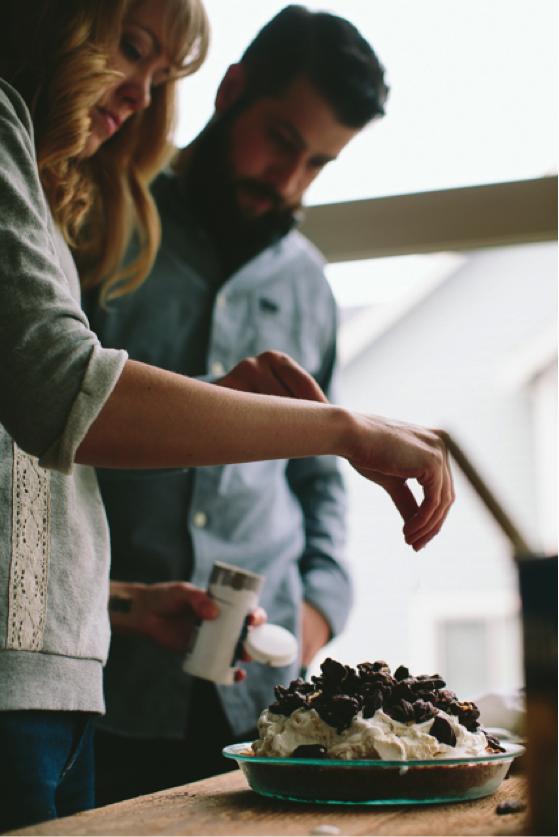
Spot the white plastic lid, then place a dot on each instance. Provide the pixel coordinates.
(271, 645)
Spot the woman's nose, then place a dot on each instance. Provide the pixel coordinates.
(137, 91)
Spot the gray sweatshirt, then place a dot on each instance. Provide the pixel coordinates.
(54, 380)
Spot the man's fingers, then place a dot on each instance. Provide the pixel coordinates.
(174, 598)
(257, 617)
(273, 373)
(296, 381)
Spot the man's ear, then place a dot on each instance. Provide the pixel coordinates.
(231, 87)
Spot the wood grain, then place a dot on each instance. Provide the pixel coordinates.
(225, 805)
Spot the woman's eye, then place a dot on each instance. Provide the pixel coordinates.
(130, 50)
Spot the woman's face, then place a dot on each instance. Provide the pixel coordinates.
(142, 59)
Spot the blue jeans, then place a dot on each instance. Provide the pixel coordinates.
(46, 766)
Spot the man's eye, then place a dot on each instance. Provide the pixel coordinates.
(281, 140)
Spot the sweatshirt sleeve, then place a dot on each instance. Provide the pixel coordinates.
(54, 375)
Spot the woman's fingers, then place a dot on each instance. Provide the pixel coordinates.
(439, 497)
(405, 452)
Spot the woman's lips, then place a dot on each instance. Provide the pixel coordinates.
(111, 121)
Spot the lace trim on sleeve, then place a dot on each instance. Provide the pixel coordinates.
(27, 606)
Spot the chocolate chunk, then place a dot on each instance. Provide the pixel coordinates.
(369, 671)
(430, 697)
(353, 684)
(402, 673)
(372, 701)
(443, 698)
(403, 691)
(292, 698)
(402, 711)
(382, 678)
(309, 751)
(443, 732)
(467, 713)
(300, 685)
(423, 711)
(493, 744)
(333, 671)
(511, 806)
(337, 711)
(430, 683)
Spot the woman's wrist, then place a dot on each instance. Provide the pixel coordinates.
(346, 432)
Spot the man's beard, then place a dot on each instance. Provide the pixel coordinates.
(212, 193)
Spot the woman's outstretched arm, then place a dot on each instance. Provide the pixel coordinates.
(157, 419)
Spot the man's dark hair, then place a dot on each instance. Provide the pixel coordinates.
(329, 51)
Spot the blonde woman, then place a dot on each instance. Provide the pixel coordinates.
(86, 92)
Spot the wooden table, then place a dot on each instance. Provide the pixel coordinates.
(226, 805)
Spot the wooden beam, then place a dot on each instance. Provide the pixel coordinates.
(495, 215)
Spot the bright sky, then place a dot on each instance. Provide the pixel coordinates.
(473, 93)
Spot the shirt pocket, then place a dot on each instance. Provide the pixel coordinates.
(282, 324)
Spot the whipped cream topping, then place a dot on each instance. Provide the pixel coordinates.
(378, 737)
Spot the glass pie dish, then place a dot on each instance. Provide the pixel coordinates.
(374, 782)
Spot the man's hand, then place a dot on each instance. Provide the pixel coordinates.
(315, 633)
(273, 373)
(166, 613)
(406, 451)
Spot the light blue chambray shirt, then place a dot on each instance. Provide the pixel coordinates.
(284, 520)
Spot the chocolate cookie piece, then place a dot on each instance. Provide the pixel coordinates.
(402, 712)
(423, 710)
(338, 711)
(288, 700)
(444, 698)
(467, 713)
(443, 732)
(372, 700)
(493, 744)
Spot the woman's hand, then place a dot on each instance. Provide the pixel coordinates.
(273, 373)
(403, 452)
(166, 613)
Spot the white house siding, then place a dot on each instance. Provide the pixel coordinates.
(440, 365)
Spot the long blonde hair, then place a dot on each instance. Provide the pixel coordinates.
(55, 52)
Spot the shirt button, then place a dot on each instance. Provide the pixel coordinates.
(218, 368)
(199, 519)
(221, 300)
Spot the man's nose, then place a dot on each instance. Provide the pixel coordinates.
(286, 176)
